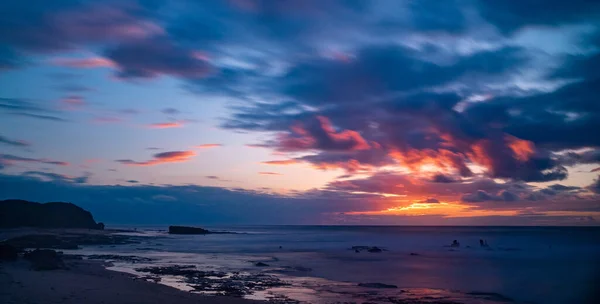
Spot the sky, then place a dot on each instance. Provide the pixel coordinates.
(395, 112)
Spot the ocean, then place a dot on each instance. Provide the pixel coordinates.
(317, 264)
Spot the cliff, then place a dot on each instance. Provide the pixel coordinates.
(20, 213)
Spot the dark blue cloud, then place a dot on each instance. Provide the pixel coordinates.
(13, 142)
(509, 16)
(20, 107)
(169, 204)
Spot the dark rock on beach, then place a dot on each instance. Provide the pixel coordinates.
(8, 252)
(180, 270)
(187, 230)
(374, 249)
(45, 259)
(20, 213)
(261, 264)
(376, 285)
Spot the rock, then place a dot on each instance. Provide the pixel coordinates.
(414, 254)
(8, 252)
(372, 249)
(44, 259)
(187, 230)
(375, 249)
(261, 264)
(20, 213)
(376, 285)
(100, 226)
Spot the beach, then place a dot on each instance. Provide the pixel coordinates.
(312, 264)
(89, 282)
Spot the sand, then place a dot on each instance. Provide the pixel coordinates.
(88, 282)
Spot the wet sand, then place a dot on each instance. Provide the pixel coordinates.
(89, 282)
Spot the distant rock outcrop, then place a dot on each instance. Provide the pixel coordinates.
(20, 213)
(187, 230)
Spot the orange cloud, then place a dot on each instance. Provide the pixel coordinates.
(166, 125)
(523, 149)
(208, 146)
(320, 134)
(280, 162)
(269, 173)
(83, 63)
(162, 158)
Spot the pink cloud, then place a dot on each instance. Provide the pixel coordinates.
(84, 63)
(162, 158)
(269, 173)
(208, 146)
(166, 125)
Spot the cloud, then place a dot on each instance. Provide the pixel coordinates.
(133, 181)
(166, 125)
(441, 178)
(149, 59)
(170, 111)
(595, 169)
(431, 201)
(14, 142)
(269, 173)
(162, 158)
(208, 146)
(167, 204)
(595, 186)
(59, 178)
(8, 159)
(106, 119)
(84, 63)
(280, 162)
(73, 102)
(65, 24)
(26, 108)
(164, 198)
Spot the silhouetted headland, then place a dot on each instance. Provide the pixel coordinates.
(21, 213)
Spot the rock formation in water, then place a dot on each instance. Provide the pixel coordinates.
(20, 213)
(187, 230)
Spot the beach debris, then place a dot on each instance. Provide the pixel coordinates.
(45, 259)
(376, 285)
(455, 243)
(261, 264)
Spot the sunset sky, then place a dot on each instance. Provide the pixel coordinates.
(304, 112)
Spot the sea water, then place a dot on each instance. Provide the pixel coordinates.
(519, 264)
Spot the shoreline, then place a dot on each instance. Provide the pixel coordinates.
(83, 280)
(87, 281)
